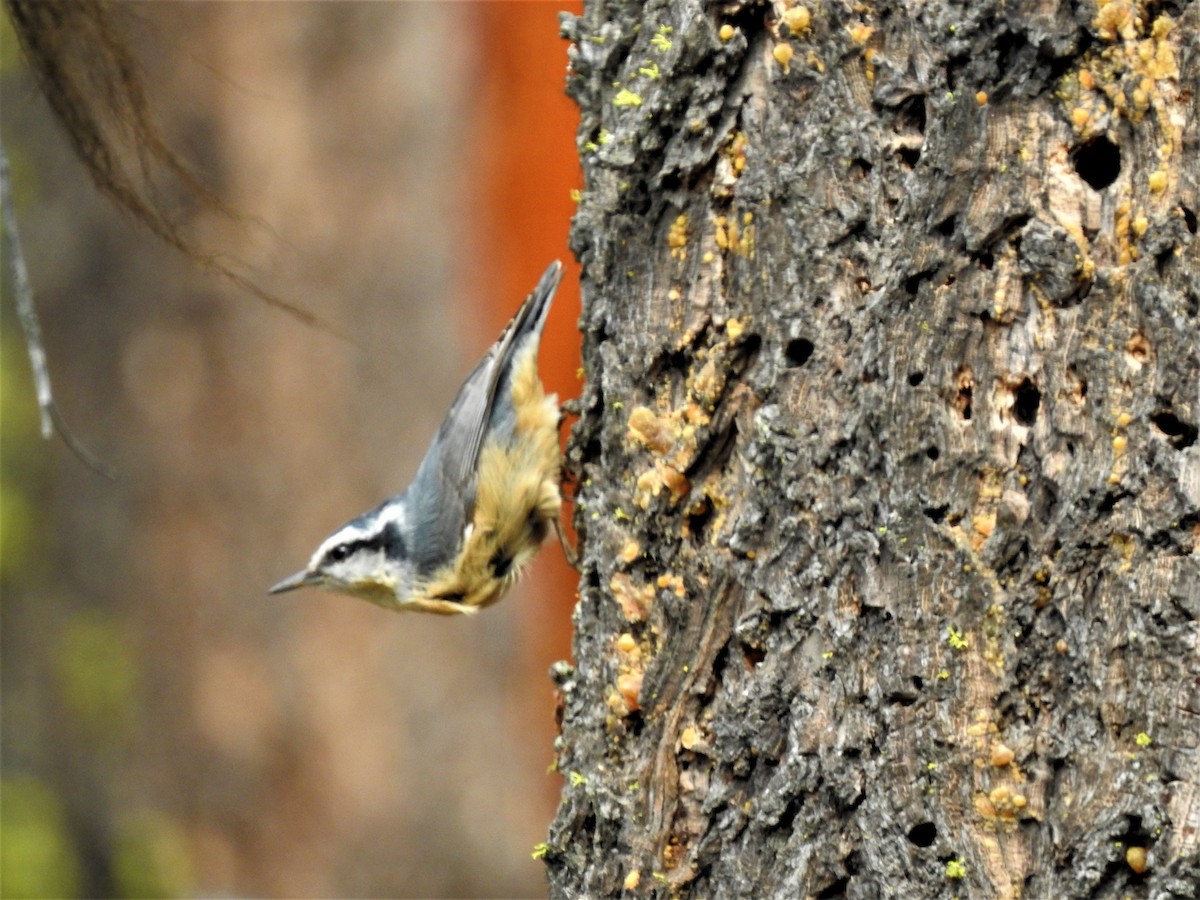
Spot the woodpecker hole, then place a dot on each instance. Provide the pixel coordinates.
(912, 284)
(933, 452)
(923, 834)
(836, 889)
(1180, 433)
(912, 114)
(1077, 393)
(1098, 162)
(798, 351)
(1189, 219)
(860, 168)
(936, 514)
(946, 228)
(699, 516)
(753, 655)
(1026, 400)
(1138, 348)
(916, 378)
(966, 392)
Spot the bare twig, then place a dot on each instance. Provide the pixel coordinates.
(52, 419)
(93, 83)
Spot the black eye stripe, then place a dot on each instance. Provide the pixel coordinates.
(387, 539)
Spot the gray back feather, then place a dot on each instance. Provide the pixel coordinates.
(441, 497)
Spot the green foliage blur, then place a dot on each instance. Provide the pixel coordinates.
(151, 857)
(93, 690)
(36, 856)
(37, 853)
(76, 671)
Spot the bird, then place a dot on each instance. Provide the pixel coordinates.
(483, 499)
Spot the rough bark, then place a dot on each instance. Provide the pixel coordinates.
(889, 488)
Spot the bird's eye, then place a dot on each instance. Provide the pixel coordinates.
(338, 553)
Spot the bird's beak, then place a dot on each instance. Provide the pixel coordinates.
(300, 579)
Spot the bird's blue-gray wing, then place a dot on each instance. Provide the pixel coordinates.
(442, 494)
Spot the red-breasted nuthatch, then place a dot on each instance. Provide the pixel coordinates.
(484, 497)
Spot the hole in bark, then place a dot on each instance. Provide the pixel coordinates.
(859, 229)
(912, 113)
(1009, 46)
(912, 284)
(923, 834)
(1134, 832)
(901, 698)
(1061, 65)
(916, 378)
(750, 346)
(1134, 835)
(1138, 348)
(918, 682)
(788, 816)
(1178, 432)
(985, 260)
(1026, 400)
(634, 722)
(753, 655)
(933, 452)
(936, 514)
(1189, 219)
(963, 401)
(910, 156)
(860, 168)
(837, 889)
(699, 516)
(946, 228)
(1164, 259)
(798, 351)
(1098, 162)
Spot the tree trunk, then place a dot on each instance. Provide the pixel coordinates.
(889, 489)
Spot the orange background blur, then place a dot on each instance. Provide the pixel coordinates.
(405, 172)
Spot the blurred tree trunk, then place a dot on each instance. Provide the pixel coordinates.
(889, 485)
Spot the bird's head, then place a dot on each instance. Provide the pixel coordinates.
(367, 557)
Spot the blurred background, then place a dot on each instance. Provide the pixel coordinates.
(169, 729)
